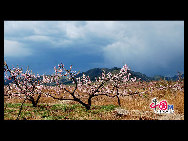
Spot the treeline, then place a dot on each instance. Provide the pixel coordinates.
(96, 72)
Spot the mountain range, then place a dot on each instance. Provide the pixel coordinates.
(96, 72)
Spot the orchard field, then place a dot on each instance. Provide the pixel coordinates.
(110, 97)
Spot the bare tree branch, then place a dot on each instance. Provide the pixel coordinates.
(59, 98)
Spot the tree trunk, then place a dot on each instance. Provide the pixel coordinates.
(20, 109)
(34, 103)
(87, 106)
(118, 97)
(119, 101)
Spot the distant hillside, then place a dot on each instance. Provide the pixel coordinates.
(96, 72)
(174, 78)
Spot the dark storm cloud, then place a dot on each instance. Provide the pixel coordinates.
(151, 47)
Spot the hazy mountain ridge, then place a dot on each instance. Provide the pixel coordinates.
(96, 72)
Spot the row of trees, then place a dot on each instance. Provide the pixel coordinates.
(30, 85)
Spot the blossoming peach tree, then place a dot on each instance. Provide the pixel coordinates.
(83, 85)
(28, 85)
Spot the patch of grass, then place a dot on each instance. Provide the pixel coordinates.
(57, 112)
(108, 107)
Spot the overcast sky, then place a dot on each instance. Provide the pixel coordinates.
(149, 47)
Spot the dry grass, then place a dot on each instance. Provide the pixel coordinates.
(129, 103)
